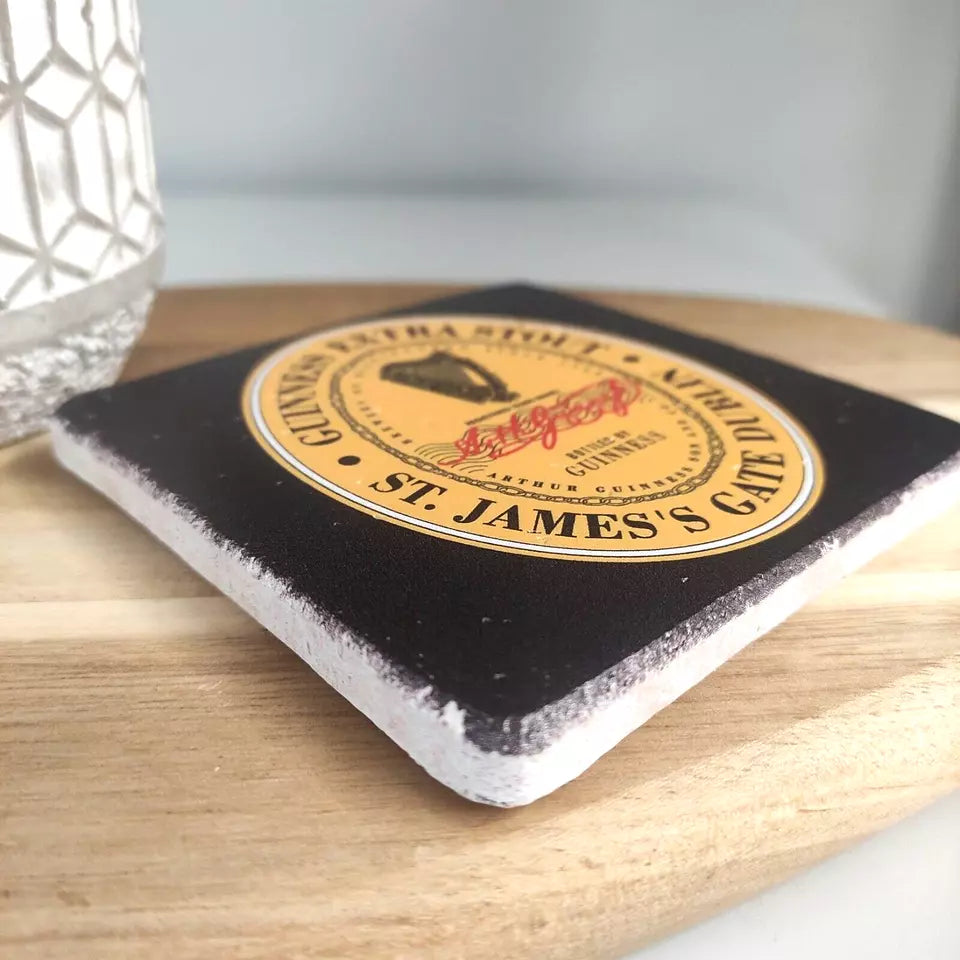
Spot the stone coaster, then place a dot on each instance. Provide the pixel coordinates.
(510, 526)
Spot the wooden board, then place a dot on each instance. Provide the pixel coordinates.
(173, 781)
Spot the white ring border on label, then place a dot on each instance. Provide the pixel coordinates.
(798, 502)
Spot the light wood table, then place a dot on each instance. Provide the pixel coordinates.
(175, 783)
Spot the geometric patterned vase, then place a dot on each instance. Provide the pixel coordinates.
(81, 230)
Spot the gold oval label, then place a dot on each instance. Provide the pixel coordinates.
(522, 436)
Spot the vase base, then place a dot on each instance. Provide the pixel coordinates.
(36, 378)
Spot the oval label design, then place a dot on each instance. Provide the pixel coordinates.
(522, 436)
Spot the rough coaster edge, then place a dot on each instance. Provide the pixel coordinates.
(432, 731)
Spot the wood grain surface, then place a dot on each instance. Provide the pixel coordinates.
(175, 783)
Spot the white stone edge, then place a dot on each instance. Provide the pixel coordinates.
(594, 719)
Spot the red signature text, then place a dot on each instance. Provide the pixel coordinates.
(541, 424)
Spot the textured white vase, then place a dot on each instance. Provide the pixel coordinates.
(81, 231)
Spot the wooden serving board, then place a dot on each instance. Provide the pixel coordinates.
(175, 782)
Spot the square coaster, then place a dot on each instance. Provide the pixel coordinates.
(510, 526)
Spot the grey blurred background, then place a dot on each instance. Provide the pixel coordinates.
(837, 120)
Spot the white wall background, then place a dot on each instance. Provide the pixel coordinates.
(838, 119)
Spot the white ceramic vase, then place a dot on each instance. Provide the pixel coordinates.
(81, 231)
